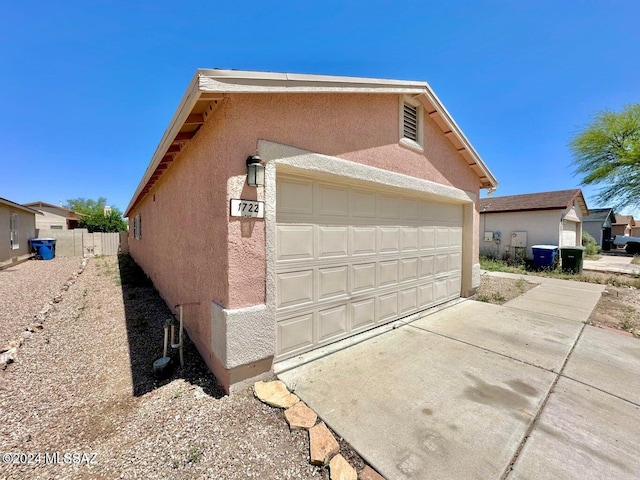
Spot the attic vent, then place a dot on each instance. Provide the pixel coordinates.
(410, 122)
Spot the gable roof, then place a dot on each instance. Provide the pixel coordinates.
(560, 199)
(599, 215)
(208, 87)
(624, 220)
(70, 213)
(9, 203)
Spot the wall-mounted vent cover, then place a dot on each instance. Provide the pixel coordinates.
(410, 122)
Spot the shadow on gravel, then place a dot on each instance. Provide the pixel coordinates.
(146, 313)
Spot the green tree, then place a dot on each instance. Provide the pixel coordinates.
(607, 153)
(94, 218)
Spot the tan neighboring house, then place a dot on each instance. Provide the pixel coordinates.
(54, 217)
(17, 226)
(625, 225)
(520, 221)
(367, 212)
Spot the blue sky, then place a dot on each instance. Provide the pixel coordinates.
(88, 88)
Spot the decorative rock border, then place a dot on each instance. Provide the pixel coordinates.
(323, 447)
(9, 352)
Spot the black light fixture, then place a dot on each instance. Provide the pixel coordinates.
(255, 171)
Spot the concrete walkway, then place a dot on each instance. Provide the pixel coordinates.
(525, 390)
(612, 264)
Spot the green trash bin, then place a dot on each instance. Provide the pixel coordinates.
(572, 258)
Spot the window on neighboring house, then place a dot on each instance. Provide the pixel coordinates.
(411, 123)
(13, 229)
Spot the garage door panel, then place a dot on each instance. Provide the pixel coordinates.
(441, 289)
(408, 269)
(427, 266)
(332, 282)
(333, 241)
(363, 314)
(410, 239)
(389, 239)
(333, 201)
(408, 300)
(442, 237)
(363, 277)
(295, 242)
(294, 197)
(408, 209)
(352, 258)
(295, 334)
(442, 263)
(388, 207)
(387, 307)
(364, 240)
(455, 261)
(427, 238)
(425, 295)
(388, 273)
(455, 237)
(569, 234)
(363, 204)
(332, 323)
(294, 288)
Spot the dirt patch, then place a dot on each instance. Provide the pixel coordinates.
(618, 308)
(500, 290)
(84, 385)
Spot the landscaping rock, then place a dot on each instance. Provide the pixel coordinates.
(339, 469)
(57, 299)
(322, 444)
(300, 416)
(26, 335)
(369, 473)
(275, 394)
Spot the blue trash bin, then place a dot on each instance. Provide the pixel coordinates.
(545, 256)
(44, 247)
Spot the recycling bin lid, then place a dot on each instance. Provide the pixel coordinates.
(545, 247)
(44, 239)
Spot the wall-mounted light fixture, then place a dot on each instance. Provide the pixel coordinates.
(255, 171)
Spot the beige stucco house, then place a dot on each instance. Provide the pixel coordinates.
(519, 221)
(625, 225)
(367, 212)
(17, 226)
(54, 217)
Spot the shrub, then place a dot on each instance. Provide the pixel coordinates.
(590, 245)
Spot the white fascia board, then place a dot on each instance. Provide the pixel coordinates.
(185, 106)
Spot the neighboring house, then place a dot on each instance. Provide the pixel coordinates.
(369, 206)
(520, 221)
(17, 226)
(625, 225)
(598, 224)
(54, 217)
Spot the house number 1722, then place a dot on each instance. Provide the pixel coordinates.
(247, 208)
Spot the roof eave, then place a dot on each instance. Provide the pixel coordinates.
(207, 81)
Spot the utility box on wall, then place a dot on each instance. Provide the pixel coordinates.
(519, 239)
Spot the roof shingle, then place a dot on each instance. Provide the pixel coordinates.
(530, 201)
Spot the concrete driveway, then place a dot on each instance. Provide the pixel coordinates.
(479, 391)
(613, 263)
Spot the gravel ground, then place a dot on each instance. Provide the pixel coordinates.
(84, 385)
(25, 288)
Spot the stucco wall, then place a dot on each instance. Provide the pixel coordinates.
(594, 229)
(194, 252)
(26, 230)
(51, 217)
(542, 227)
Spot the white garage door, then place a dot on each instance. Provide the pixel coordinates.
(569, 234)
(349, 259)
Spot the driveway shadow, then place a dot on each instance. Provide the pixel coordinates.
(146, 313)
